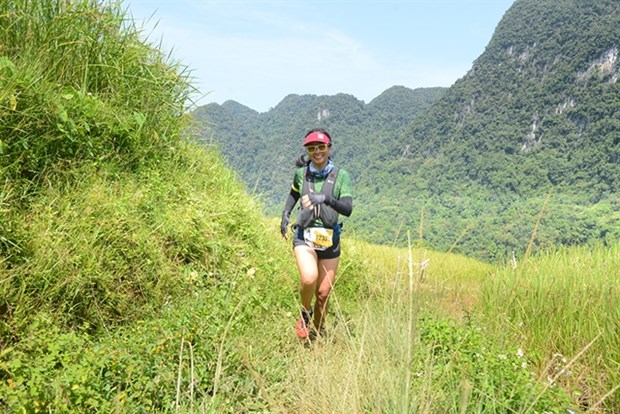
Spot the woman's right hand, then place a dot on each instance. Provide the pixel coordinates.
(312, 199)
(284, 224)
(305, 202)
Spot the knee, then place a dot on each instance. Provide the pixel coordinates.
(322, 294)
(308, 279)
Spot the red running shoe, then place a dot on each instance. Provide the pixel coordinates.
(302, 328)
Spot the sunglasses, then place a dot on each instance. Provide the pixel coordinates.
(312, 148)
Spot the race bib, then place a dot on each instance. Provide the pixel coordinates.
(319, 238)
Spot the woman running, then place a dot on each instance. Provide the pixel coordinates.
(325, 192)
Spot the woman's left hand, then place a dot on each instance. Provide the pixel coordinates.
(316, 198)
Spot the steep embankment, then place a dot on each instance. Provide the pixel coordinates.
(122, 246)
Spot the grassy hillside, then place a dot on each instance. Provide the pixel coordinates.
(139, 276)
(432, 339)
(117, 239)
(125, 271)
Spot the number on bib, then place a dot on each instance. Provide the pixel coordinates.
(319, 238)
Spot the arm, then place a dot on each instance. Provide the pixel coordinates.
(291, 200)
(343, 203)
(343, 206)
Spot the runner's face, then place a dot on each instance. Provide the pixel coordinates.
(319, 154)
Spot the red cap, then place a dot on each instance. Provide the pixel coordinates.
(317, 137)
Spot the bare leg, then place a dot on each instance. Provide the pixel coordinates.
(309, 274)
(326, 279)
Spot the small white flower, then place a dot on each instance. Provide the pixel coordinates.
(520, 353)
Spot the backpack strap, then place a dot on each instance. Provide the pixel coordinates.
(328, 185)
(330, 182)
(308, 183)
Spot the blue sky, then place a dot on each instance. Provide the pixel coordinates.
(257, 52)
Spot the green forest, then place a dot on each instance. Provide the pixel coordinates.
(142, 269)
(529, 134)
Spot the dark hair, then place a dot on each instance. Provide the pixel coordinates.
(301, 161)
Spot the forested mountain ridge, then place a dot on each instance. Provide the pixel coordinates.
(263, 147)
(536, 115)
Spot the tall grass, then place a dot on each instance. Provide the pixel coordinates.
(394, 346)
(118, 271)
(77, 83)
(553, 306)
(118, 242)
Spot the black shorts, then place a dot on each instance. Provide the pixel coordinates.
(329, 253)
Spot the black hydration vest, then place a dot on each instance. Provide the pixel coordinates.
(327, 214)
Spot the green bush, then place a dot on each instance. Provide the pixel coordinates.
(487, 377)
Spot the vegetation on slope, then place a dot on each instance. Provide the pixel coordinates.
(121, 271)
(117, 239)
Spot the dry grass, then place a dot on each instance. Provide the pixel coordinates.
(366, 362)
